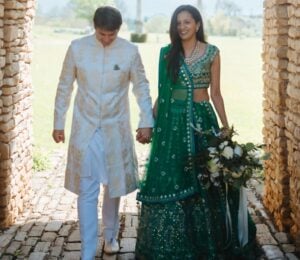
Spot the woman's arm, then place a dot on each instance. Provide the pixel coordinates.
(215, 91)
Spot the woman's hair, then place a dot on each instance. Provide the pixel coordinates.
(173, 57)
(107, 18)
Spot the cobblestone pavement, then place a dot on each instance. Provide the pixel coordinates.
(49, 229)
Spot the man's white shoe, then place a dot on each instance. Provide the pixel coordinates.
(111, 247)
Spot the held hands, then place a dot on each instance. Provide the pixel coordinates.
(58, 135)
(143, 135)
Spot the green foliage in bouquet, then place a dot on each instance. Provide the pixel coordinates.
(227, 161)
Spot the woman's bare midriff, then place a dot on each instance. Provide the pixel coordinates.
(201, 95)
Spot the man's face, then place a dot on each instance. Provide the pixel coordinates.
(106, 37)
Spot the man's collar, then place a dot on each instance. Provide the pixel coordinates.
(98, 43)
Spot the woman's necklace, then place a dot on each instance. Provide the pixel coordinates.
(194, 55)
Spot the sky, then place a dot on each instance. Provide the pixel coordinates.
(152, 7)
(166, 7)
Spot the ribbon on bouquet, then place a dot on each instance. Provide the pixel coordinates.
(242, 217)
(228, 217)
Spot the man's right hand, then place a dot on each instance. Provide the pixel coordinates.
(58, 135)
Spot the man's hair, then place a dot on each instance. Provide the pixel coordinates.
(107, 18)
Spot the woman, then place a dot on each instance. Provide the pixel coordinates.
(180, 218)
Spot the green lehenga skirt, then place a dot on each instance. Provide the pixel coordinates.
(179, 218)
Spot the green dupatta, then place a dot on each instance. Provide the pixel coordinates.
(153, 188)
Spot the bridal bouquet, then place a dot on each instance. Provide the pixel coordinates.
(227, 161)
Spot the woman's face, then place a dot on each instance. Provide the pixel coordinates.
(186, 26)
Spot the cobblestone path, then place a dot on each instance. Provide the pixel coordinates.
(49, 228)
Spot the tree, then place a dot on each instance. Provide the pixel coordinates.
(120, 4)
(222, 24)
(40, 9)
(218, 5)
(200, 5)
(230, 8)
(54, 12)
(157, 24)
(85, 8)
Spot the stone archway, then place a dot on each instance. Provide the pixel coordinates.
(281, 130)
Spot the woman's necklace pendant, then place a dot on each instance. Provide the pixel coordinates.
(194, 55)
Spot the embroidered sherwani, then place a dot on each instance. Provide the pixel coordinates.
(103, 76)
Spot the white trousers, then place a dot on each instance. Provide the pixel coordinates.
(93, 174)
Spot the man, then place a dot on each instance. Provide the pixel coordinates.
(101, 148)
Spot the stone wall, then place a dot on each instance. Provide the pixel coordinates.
(281, 54)
(16, 17)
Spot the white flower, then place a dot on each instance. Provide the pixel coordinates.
(212, 150)
(213, 165)
(238, 150)
(236, 174)
(215, 174)
(227, 152)
(255, 154)
(242, 168)
(223, 144)
(213, 177)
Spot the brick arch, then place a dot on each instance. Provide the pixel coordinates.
(281, 55)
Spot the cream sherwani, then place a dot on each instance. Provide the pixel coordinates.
(103, 76)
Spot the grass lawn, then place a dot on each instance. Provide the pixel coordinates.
(241, 81)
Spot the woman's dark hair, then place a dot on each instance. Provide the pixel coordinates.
(107, 18)
(173, 57)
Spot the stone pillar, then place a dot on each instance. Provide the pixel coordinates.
(2, 57)
(281, 54)
(16, 18)
(275, 86)
(292, 115)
